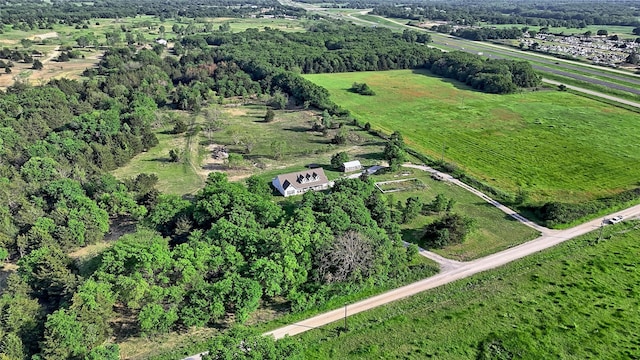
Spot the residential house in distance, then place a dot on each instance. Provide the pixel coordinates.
(350, 166)
(302, 181)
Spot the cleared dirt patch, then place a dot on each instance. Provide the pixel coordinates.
(387, 187)
(44, 36)
(235, 111)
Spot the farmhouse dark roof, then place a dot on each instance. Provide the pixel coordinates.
(303, 179)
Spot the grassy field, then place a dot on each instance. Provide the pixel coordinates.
(287, 143)
(552, 145)
(494, 231)
(578, 300)
(173, 177)
(284, 145)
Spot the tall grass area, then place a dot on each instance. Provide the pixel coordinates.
(578, 300)
(494, 230)
(173, 177)
(549, 145)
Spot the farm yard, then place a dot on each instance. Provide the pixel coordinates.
(391, 186)
(550, 145)
(256, 147)
(494, 230)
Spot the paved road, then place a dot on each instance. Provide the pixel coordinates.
(595, 93)
(494, 50)
(538, 60)
(450, 271)
(449, 275)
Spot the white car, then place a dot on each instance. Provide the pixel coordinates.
(615, 219)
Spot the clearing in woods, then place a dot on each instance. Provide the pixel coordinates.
(494, 230)
(267, 149)
(552, 145)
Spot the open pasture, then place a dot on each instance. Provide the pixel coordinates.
(552, 145)
(575, 301)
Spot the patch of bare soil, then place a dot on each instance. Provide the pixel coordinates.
(211, 163)
(44, 36)
(235, 111)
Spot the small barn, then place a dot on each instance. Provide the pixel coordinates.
(300, 182)
(351, 166)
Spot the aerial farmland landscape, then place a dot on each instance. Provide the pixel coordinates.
(262, 179)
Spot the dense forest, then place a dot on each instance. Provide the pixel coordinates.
(575, 14)
(207, 260)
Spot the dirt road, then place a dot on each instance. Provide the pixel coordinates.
(449, 275)
(454, 271)
(483, 196)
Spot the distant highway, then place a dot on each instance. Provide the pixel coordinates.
(538, 61)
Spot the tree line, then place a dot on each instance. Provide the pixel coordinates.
(193, 262)
(546, 13)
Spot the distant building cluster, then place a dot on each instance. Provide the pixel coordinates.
(598, 49)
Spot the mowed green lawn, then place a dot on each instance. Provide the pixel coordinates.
(554, 145)
(494, 230)
(578, 300)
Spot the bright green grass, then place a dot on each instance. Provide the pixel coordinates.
(555, 145)
(578, 300)
(173, 178)
(301, 146)
(495, 230)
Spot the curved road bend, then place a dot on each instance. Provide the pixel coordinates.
(447, 276)
(499, 52)
(495, 51)
(536, 57)
(452, 274)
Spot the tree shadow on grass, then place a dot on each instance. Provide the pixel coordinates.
(161, 160)
(299, 129)
(372, 156)
(457, 84)
(323, 141)
(412, 235)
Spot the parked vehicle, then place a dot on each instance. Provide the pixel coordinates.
(616, 219)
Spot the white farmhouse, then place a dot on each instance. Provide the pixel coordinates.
(301, 182)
